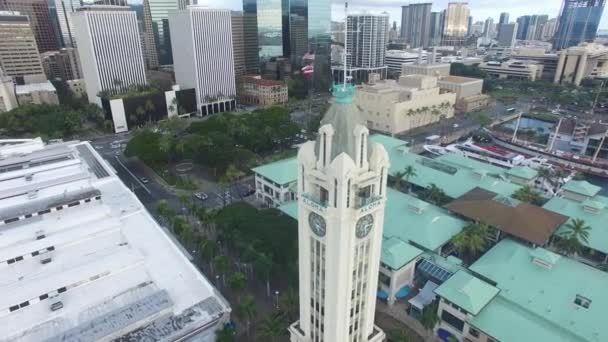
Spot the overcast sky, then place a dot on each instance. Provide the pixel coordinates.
(480, 9)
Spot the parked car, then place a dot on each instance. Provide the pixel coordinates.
(201, 196)
(144, 180)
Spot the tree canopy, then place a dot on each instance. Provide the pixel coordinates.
(48, 121)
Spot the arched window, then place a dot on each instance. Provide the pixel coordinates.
(348, 194)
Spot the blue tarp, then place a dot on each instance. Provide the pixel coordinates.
(382, 294)
(403, 292)
(443, 334)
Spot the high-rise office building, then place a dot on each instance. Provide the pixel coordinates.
(549, 29)
(250, 37)
(8, 98)
(65, 8)
(319, 40)
(19, 56)
(62, 64)
(536, 26)
(110, 47)
(40, 19)
(522, 27)
(504, 18)
(148, 38)
(203, 55)
(341, 214)
(469, 25)
(436, 28)
(159, 11)
(238, 44)
(507, 34)
(415, 24)
(366, 42)
(488, 28)
(578, 22)
(456, 22)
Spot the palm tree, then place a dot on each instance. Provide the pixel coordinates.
(471, 241)
(290, 303)
(574, 239)
(237, 283)
(429, 317)
(162, 207)
(226, 334)
(398, 177)
(528, 195)
(408, 173)
(263, 266)
(247, 310)
(435, 195)
(221, 266)
(272, 327)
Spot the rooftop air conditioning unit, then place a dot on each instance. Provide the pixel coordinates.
(56, 306)
(46, 261)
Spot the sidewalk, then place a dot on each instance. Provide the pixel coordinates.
(397, 311)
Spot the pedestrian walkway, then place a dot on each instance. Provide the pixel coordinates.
(397, 311)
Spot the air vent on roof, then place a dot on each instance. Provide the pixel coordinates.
(56, 306)
(29, 177)
(46, 261)
(40, 235)
(542, 263)
(582, 301)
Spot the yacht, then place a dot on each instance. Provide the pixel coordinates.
(481, 152)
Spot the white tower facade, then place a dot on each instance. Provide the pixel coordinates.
(109, 47)
(342, 194)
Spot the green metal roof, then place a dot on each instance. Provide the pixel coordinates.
(291, 209)
(537, 303)
(455, 176)
(396, 253)
(410, 219)
(582, 188)
(281, 172)
(468, 292)
(524, 172)
(598, 221)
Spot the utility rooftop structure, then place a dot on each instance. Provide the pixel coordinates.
(82, 260)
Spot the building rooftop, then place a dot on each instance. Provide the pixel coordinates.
(263, 82)
(32, 87)
(543, 298)
(525, 221)
(593, 211)
(396, 253)
(72, 232)
(524, 172)
(468, 292)
(460, 79)
(582, 188)
(281, 172)
(456, 177)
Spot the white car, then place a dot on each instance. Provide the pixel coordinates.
(201, 196)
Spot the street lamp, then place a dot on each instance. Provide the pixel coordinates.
(217, 280)
(276, 293)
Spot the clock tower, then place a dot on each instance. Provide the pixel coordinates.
(342, 194)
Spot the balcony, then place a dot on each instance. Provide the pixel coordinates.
(314, 202)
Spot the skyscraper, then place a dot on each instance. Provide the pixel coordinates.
(507, 34)
(578, 22)
(159, 11)
(436, 28)
(238, 44)
(366, 42)
(536, 26)
(250, 37)
(319, 40)
(549, 29)
(40, 19)
(19, 55)
(523, 23)
(65, 8)
(470, 25)
(203, 53)
(415, 24)
(148, 39)
(456, 22)
(340, 219)
(110, 49)
(488, 28)
(504, 18)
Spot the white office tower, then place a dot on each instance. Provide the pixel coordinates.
(342, 194)
(82, 260)
(201, 40)
(110, 49)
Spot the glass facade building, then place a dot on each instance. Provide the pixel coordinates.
(159, 11)
(578, 22)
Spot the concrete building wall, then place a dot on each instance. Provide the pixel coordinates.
(462, 86)
(437, 70)
(19, 54)
(8, 100)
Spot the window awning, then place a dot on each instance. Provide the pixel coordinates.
(425, 296)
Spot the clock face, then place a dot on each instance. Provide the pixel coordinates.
(364, 226)
(317, 224)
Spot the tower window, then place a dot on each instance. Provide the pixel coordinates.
(336, 193)
(348, 194)
(361, 151)
(381, 181)
(324, 148)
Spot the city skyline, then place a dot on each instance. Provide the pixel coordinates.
(480, 9)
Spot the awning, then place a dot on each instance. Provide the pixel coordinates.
(382, 294)
(403, 292)
(425, 296)
(433, 270)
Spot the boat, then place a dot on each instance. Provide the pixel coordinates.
(482, 152)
